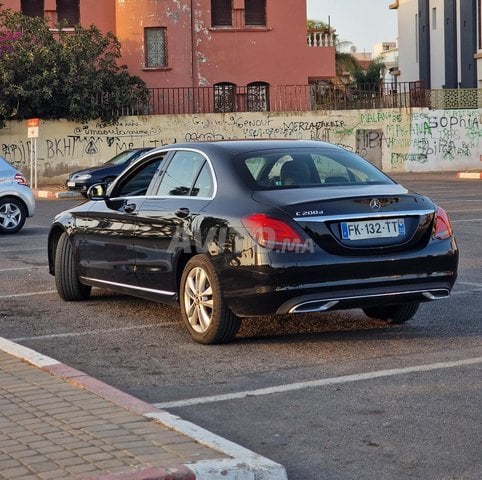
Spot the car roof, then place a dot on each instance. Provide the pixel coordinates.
(6, 166)
(236, 147)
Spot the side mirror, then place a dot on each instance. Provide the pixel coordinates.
(97, 192)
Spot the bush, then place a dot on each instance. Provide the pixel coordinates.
(73, 75)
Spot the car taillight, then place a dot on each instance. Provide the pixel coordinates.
(20, 179)
(272, 233)
(442, 228)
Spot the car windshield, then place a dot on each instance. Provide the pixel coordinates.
(121, 158)
(308, 167)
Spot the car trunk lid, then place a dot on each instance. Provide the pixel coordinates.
(358, 219)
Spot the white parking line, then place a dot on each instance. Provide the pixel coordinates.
(291, 387)
(463, 292)
(94, 332)
(21, 250)
(463, 201)
(30, 294)
(467, 220)
(21, 268)
(470, 284)
(464, 210)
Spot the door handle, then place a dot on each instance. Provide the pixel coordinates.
(129, 207)
(182, 212)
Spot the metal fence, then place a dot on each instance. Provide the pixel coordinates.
(368, 96)
(230, 98)
(227, 98)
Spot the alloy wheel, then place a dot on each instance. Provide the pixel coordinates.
(198, 300)
(10, 216)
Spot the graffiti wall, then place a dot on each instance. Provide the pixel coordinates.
(395, 140)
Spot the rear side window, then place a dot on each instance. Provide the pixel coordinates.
(204, 186)
(186, 175)
(305, 167)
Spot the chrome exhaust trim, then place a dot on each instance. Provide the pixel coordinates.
(436, 294)
(313, 306)
(316, 306)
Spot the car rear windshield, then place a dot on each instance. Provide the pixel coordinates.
(308, 167)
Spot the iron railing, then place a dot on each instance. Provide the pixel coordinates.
(230, 98)
(368, 96)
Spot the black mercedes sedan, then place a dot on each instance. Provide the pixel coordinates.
(246, 228)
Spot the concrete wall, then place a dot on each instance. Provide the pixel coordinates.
(396, 140)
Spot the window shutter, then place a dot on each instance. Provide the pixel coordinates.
(255, 12)
(32, 8)
(68, 11)
(221, 13)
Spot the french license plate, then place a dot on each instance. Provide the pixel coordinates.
(394, 227)
(71, 184)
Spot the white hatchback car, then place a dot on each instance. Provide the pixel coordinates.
(17, 201)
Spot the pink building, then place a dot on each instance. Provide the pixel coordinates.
(238, 48)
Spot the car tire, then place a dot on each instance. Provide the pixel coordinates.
(393, 314)
(67, 280)
(13, 214)
(204, 311)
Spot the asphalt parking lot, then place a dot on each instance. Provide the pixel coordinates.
(330, 396)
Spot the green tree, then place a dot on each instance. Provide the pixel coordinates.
(319, 25)
(74, 75)
(369, 79)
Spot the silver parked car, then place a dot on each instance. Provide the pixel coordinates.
(17, 201)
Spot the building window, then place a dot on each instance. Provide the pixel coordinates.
(434, 19)
(255, 12)
(224, 97)
(32, 8)
(68, 12)
(221, 13)
(155, 39)
(258, 97)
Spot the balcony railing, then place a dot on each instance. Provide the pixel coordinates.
(317, 38)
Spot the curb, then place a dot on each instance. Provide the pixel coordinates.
(243, 464)
(470, 175)
(52, 195)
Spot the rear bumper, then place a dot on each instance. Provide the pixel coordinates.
(365, 298)
(341, 283)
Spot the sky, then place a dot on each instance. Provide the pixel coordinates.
(361, 22)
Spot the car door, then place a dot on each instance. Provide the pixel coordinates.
(106, 251)
(166, 220)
